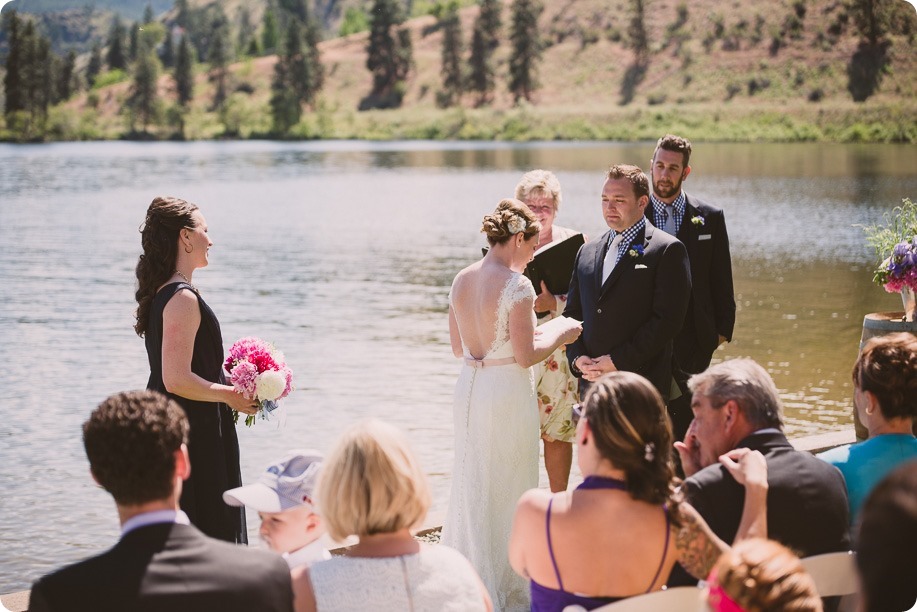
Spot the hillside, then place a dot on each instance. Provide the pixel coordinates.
(717, 70)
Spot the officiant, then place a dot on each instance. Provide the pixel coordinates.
(555, 386)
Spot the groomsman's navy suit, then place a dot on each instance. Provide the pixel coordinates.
(634, 315)
(712, 308)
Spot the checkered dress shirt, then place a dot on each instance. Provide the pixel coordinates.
(659, 212)
(628, 238)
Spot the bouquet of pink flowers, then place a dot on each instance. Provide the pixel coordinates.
(257, 371)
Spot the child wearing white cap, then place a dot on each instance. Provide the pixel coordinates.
(283, 497)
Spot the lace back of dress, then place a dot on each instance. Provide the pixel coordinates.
(516, 289)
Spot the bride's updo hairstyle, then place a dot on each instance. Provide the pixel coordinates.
(631, 429)
(510, 218)
(165, 218)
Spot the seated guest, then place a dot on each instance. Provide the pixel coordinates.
(887, 541)
(735, 405)
(885, 398)
(621, 531)
(136, 445)
(759, 575)
(372, 487)
(284, 500)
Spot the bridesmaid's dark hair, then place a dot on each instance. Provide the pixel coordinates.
(631, 428)
(165, 218)
(510, 214)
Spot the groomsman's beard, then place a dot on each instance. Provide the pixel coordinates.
(667, 193)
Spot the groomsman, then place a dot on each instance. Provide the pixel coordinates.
(630, 288)
(702, 228)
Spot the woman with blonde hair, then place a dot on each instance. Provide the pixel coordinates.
(372, 487)
(620, 532)
(759, 575)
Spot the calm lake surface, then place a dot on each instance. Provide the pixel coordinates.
(342, 254)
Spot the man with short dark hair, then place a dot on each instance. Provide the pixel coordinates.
(736, 405)
(136, 445)
(630, 288)
(701, 227)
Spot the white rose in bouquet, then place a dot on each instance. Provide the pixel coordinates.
(270, 385)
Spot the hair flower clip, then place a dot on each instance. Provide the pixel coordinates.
(636, 251)
(516, 225)
(649, 452)
(698, 220)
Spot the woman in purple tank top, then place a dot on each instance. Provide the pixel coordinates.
(621, 531)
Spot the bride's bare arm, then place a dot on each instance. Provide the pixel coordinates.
(530, 348)
(455, 338)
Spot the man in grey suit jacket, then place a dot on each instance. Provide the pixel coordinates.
(136, 445)
(702, 228)
(630, 288)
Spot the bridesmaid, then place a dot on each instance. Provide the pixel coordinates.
(185, 350)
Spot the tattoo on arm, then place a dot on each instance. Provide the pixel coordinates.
(698, 547)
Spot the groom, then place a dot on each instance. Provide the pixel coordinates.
(630, 288)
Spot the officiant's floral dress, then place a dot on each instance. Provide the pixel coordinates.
(555, 385)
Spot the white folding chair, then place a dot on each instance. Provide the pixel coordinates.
(681, 599)
(834, 575)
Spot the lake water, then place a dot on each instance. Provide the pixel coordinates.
(342, 254)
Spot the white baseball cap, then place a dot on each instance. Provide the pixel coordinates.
(287, 483)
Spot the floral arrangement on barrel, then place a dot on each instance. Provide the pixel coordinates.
(895, 244)
(257, 370)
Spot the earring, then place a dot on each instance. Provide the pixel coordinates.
(189, 248)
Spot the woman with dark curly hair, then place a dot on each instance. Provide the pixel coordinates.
(185, 350)
(620, 532)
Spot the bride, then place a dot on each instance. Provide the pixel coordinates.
(495, 412)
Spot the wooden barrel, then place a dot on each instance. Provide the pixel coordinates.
(880, 324)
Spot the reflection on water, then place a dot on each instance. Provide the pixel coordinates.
(342, 253)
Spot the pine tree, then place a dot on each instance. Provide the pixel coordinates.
(388, 54)
(143, 97)
(218, 57)
(246, 31)
(94, 67)
(484, 41)
(526, 48)
(269, 36)
(12, 81)
(451, 58)
(167, 54)
(116, 58)
(636, 30)
(184, 72)
(148, 16)
(133, 42)
(286, 110)
(65, 78)
(872, 18)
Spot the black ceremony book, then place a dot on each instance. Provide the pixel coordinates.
(554, 265)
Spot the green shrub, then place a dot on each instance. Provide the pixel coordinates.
(110, 78)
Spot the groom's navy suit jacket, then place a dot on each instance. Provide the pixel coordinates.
(636, 313)
(712, 308)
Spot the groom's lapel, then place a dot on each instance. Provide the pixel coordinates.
(626, 264)
(600, 260)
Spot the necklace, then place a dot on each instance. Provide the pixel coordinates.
(185, 278)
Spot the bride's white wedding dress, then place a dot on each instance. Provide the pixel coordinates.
(495, 414)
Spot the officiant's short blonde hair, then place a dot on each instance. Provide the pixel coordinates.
(371, 483)
(539, 183)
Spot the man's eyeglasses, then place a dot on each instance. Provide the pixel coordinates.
(577, 413)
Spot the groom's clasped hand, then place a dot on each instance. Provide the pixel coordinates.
(593, 368)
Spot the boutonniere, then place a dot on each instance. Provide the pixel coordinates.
(698, 220)
(635, 251)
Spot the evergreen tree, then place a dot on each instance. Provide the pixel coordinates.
(167, 53)
(133, 42)
(388, 54)
(269, 36)
(184, 72)
(143, 99)
(286, 110)
(872, 18)
(65, 78)
(12, 81)
(636, 31)
(218, 57)
(182, 14)
(246, 31)
(94, 67)
(526, 48)
(116, 58)
(453, 83)
(484, 41)
(148, 16)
